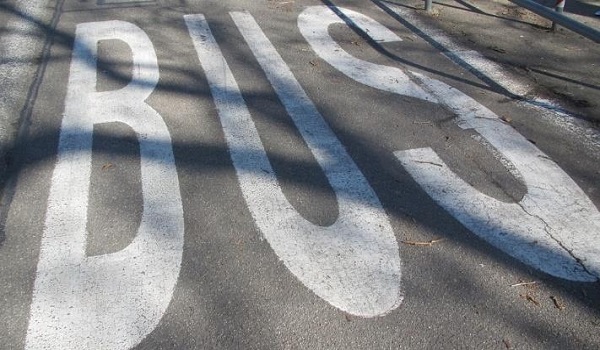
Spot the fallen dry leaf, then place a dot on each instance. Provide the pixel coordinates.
(107, 166)
(530, 298)
(557, 303)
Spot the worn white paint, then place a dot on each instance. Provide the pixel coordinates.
(554, 228)
(354, 263)
(110, 301)
(314, 23)
(572, 126)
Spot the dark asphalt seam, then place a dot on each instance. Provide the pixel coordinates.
(9, 180)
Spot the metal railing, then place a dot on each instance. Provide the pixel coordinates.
(556, 16)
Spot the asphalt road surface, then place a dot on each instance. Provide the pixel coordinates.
(290, 174)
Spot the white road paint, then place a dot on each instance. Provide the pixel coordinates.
(554, 228)
(474, 61)
(110, 301)
(353, 264)
(314, 23)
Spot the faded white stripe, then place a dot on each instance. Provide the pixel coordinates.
(110, 301)
(354, 263)
(554, 228)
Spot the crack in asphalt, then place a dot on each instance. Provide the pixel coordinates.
(547, 228)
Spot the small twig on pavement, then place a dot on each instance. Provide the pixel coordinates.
(428, 243)
(523, 284)
(423, 162)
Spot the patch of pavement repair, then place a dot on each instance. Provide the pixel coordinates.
(553, 72)
(26, 38)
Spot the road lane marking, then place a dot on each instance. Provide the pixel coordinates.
(110, 301)
(115, 300)
(353, 264)
(488, 70)
(554, 228)
(375, 75)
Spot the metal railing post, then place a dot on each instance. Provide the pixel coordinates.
(563, 20)
(428, 5)
(559, 8)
